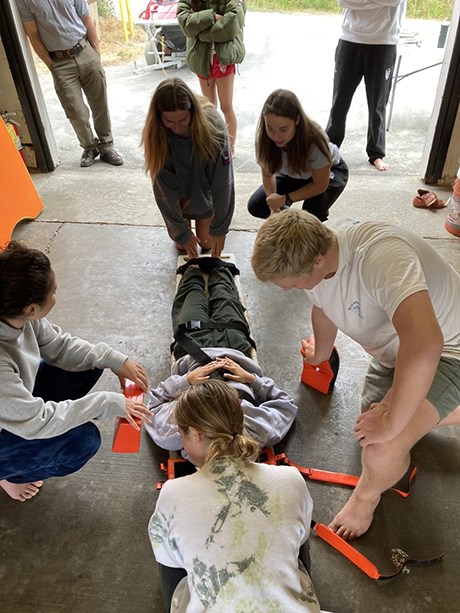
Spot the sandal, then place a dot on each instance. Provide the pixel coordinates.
(427, 200)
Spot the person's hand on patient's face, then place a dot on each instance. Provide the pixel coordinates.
(202, 373)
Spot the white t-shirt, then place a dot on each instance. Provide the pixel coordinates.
(236, 528)
(379, 266)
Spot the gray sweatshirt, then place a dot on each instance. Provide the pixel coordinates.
(267, 420)
(186, 188)
(20, 354)
(372, 22)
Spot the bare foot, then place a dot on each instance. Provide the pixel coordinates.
(355, 518)
(380, 164)
(21, 491)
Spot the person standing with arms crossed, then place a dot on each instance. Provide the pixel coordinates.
(214, 31)
(366, 48)
(63, 35)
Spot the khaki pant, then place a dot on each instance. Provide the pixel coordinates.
(74, 76)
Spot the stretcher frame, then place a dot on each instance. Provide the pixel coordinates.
(127, 435)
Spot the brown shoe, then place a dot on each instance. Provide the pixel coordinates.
(427, 200)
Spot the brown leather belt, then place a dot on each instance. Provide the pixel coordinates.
(72, 52)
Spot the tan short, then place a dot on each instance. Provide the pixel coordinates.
(444, 392)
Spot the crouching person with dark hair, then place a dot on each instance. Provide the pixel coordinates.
(45, 377)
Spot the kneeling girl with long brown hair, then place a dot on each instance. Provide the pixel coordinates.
(187, 154)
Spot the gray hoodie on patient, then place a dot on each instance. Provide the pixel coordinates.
(267, 419)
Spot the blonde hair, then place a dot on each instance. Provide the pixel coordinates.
(288, 243)
(207, 134)
(284, 103)
(213, 408)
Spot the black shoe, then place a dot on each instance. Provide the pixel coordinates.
(112, 157)
(88, 157)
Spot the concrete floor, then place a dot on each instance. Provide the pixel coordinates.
(81, 546)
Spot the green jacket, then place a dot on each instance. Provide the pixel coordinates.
(201, 30)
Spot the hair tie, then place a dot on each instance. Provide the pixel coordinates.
(234, 435)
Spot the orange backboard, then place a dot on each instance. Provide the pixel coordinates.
(18, 197)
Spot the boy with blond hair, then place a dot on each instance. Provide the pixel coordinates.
(390, 291)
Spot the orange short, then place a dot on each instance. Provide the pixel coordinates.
(219, 71)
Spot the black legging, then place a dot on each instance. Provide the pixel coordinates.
(317, 205)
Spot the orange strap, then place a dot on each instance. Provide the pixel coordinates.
(346, 550)
(361, 561)
(327, 476)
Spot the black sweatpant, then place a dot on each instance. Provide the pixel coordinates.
(317, 205)
(375, 63)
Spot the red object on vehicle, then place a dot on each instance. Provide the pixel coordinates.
(151, 7)
(159, 10)
(127, 439)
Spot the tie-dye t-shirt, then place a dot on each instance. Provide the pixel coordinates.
(236, 528)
